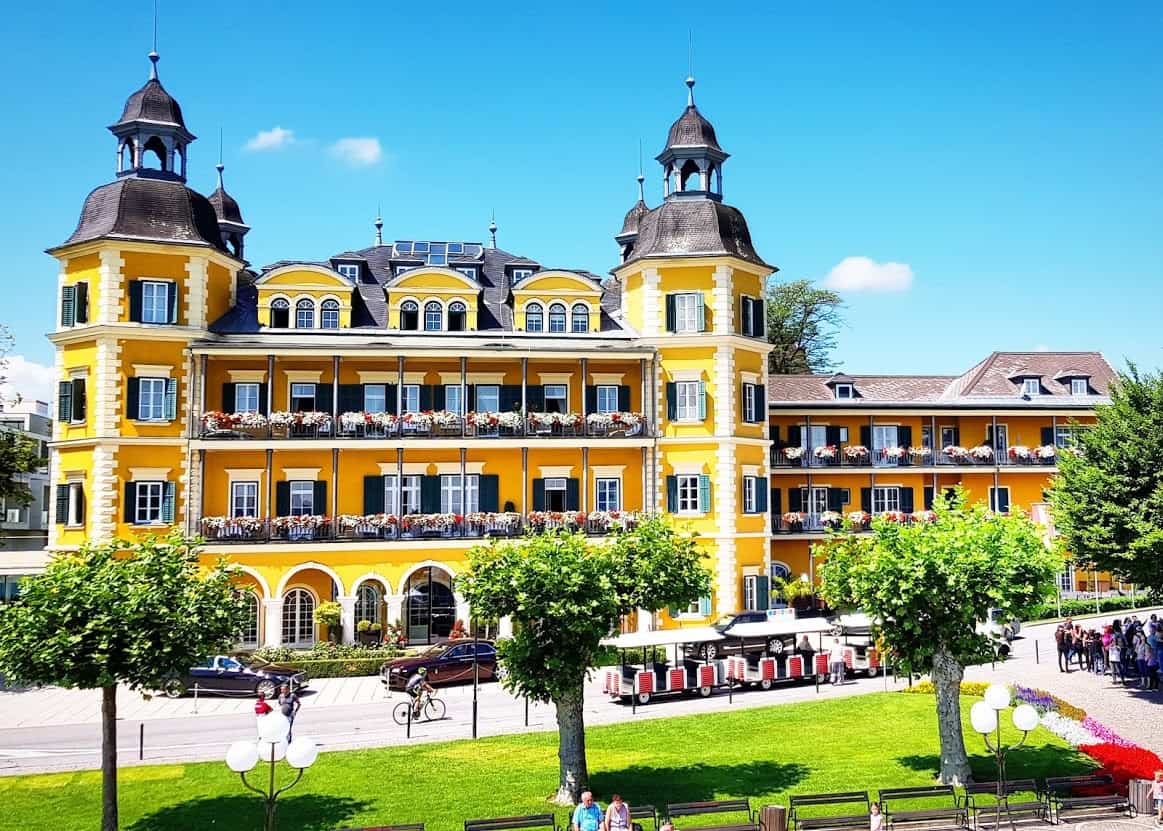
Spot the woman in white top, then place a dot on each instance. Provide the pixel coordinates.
(617, 814)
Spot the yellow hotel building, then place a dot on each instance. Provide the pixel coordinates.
(348, 428)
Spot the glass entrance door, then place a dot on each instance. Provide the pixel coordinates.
(429, 605)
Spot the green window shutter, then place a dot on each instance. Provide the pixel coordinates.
(319, 498)
(701, 313)
(705, 606)
(795, 500)
(439, 402)
(510, 398)
(229, 398)
(760, 496)
(80, 504)
(132, 398)
(905, 436)
(130, 507)
(704, 494)
(762, 591)
(670, 313)
(282, 498)
(430, 495)
(591, 398)
(835, 503)
(745, 316)
(64, 401)
(62, 516)
(671, 400)
(79, 408)
(866, 500)
(81, 315)
(172, 296)
(373, 494)
(324, 398)
(390, 395)
(171, 404)
(490, 492)
(68, 305)
(906, 500)
(534, 398)
(702, 401)
(168, 498)
(538, 494)
(135, 301)
(425, 397)
(351, 399)
(624, 398)
(776, 502)
(759, 316)
(928, 496)
(572, 495)
(1047, 435)
(672, 494)
(761, 403)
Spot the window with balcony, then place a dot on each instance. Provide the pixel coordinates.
(488, 398)
(375, 398)
(886, 499)
(534, 318)
(607, 398)
(302, 398)
(608, 494)
(244, 499)
(303, 498)
(410, 495)
(245, 398)
(884, 436)
(454, 398)
(556, 398)
(410, 398)
(450, 495)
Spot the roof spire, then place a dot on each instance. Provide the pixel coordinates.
(690, 68)
(153, 55)
(220, 167)
(641, 176)
(493, 228)
(379, 223)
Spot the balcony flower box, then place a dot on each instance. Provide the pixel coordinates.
(431, 525)
(417, 423)
(923, 516)
(489, 524)
(921, 452)
(894, 516)
(368, 526)
(1021, 454)
(603, 522)
(556, 520)
(832, 520)
(793, 521)
(484, 423)
(793, 454)
(856, 453)
(446, 423)
(1046, 454)
(893, 454)
(981, 453)
(510, 423)
(232, 528)
(254, 424)
(825, 451)
(956, 453)
(859, 520)
(300, 527)
(609, 424)
(556, 424)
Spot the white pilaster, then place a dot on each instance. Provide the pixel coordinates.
(347, 617)
(395, 608)
(462, 609)
(727, 481)
(196, 292)
(652, 311)
(104, 495)
(273, 622)
(105, 386)
(110, 288)
(722, 301)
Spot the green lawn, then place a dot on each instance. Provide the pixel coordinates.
(869, 741)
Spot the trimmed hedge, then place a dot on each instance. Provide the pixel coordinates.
(1074, 608)
(338, 667)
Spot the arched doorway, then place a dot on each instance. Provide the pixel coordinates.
(250, 632)
(429, 605)
(298, 618)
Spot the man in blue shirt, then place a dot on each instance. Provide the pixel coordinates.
(588, 816)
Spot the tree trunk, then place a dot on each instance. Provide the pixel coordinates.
(947, 675)
(109, 758)
(571, 747)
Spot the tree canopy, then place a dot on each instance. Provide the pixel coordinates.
(1107, 498)
(18, 454)
(564, 594)
(802, 322)
(928, 584)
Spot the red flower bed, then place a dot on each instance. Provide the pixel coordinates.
(1124, 763)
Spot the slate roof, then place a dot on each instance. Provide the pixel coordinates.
(633, 218)
(988, 383)
(691, 129)
(152, 103)
(695, 227)
(226, 206)
(157, 210)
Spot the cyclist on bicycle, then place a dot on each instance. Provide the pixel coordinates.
(416, 687)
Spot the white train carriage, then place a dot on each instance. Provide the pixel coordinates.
(750, 667)
(640, 683)
(860, 652)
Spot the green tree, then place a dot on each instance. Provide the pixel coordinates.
(18, 454)
(928, 584)
(564, 594)
(802, 321)
(1107, 500)
(119, 613)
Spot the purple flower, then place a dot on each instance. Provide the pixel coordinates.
(1105, 733)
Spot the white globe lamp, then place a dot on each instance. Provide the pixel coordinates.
(997, 696)
(302, 753)
(270, 751)
(983, 717)
(242, 756)
(273, 726)
(1025, 718)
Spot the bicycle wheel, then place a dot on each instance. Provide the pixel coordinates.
(434, 709)
(400, 713)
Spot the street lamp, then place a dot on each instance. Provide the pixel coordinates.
(985, 718)
(271, 747)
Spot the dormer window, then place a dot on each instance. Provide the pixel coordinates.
(329, 314)
(1079, 386)
(520, 274)
(534, 318)
(557, 317)
(433, 316)
(400, 269)
(409, 315)
(280, 313)
(469, 271)
(457, 316)
(1031, 386)
(305, 314)
(845, 391)
(349, 270)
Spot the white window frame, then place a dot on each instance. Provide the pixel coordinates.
(886, 498)
(750, 494)
(145, 511)
(469, 271)
(686, 312)
(686, 408)
(485, 391)
(410, 398)
(429, 306)
(292, 395)
(303, 492)
(411, 492)
(304, 306)
(244, 499)
(1031, 386)
(76, 494)
(993, 497)
(450, 493)
(885, 435)
(348, 270)
(845, 391)
(687, 487)
(579, 312)
(814, 500)
(603, 400)
(1066, 435)
(520, 274)
(372, 392)
(153, 291)
(454, 398)
(558, 309)
(564, 398)
(608, 493)
(750, 403)
(1079, 386)
(329, 310)
(539, 314)
(250, 633)
(244, 395)
(151, 405)
(555, 484)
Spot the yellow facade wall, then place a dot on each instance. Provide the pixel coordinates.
(140, 265)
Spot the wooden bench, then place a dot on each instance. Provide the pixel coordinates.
(543, 821)
(677, 810)
(951, 815)
(826, 823)
(977, 804)
(640, 813)
(1060, 794)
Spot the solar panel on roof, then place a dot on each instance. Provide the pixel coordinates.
(436, 259)
(436, 247)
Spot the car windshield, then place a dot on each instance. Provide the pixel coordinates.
(230, 664)
(995, 615)
(434, 651)
(725, 621)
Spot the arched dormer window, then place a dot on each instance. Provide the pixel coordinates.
(579, 318)
(433, 316)
(280, 313)
(409, 315)
(534, 318)
(557, 317)
(305, 314)
(329, 314)
(457, 316)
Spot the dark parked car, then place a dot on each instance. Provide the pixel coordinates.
(447, 663)
(717, 649)
(224, 674)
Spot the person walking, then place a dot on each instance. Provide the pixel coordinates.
(1141, 651)
(1063, 636)
(289, 705)
(1115, 651)
(588, 816)
(617, 814)
(836, 662)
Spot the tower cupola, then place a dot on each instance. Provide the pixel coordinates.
(151, 134)
(692, 161)
(229, 217)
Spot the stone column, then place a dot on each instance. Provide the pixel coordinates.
(395, 608)
(645, 621)
(505, 627)
(273, 622)
(462, 609)
(347, 617)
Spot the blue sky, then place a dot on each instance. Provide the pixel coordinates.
(1006, 157)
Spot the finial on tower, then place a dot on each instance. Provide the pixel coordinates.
(220, 167)
(493, 229)
(641, 176)
(690, 68)
(153, 55)
(379, 223)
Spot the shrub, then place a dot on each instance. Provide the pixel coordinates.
(328, 613)
(363, 626)
(976, 688)
(326, 651)
(338, 667)
(1074, 608)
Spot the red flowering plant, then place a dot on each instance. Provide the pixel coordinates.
(1124, 763)
(458, 631)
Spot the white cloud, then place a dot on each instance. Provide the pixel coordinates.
(358, 152)
(28, 380)
(864, 274)
(275, 138)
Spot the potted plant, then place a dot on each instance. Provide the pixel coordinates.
(793, 521)
(458, 631)
(365, 633)
(329, 614)
(798, 593)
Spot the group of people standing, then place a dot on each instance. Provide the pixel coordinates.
(1129, 649)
